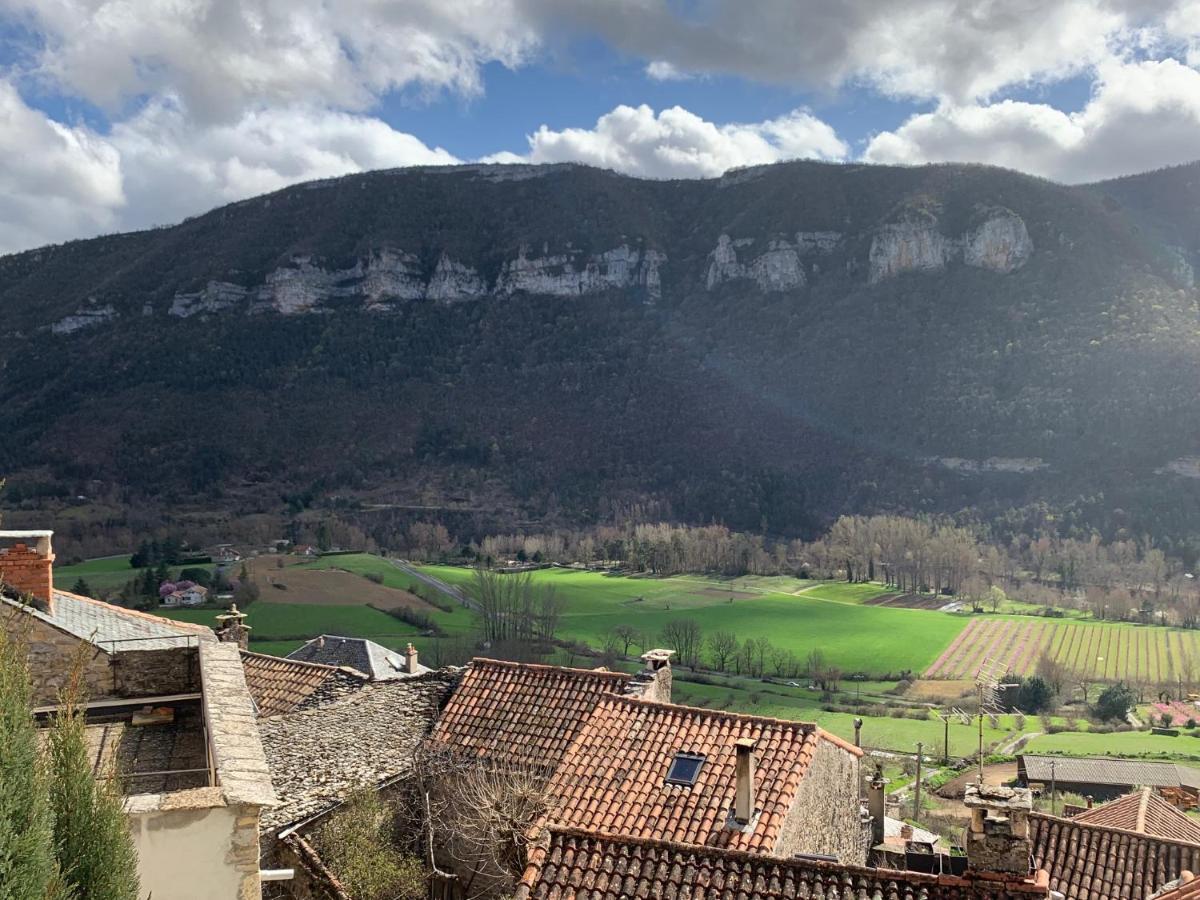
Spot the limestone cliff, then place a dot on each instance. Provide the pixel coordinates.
(999, 243)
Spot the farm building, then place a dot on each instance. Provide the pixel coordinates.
(1106, 779)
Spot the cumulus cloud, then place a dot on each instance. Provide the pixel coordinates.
(56, 182)
(1141, 116)
(660, 70)
(173, 168)
(222, 57)
(676, 143)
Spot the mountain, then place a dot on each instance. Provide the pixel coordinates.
(514, 346)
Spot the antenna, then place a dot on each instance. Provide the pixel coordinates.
(989, 686)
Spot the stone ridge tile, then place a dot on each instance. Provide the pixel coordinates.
(279, 685)
(526, 714)
(1094, 862)
(612, 779)
(575, 865)
(318, 756)
(1143, 811)
(238, 757)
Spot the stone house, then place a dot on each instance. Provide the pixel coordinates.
(167, 712)
(374, 660)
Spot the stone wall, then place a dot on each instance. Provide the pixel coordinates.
(825, 818)
(52, 654)
(146, 673)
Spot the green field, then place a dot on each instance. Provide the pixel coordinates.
(1125, 743)
(104, 574)
(296, 621)
(826, 616)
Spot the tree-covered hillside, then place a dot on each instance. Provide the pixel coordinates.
(506, 346)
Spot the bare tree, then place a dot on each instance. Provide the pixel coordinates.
(685, 637)
(628, 635)
(722, 647)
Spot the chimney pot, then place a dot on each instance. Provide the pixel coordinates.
(410, 659)
(743, 801)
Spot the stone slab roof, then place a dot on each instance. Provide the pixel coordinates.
(612, 779)
(373, 659)
(1143, 811)
(280, 685)
(1186, 887)
(1094, 862)
(525, 714)
(114, 628)
(576, 865)
(1103, 770)
(317, 757)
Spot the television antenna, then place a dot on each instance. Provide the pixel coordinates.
(989, 687)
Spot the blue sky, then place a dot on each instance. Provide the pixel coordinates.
(118, 114)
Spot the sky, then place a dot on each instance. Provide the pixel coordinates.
(125, 114)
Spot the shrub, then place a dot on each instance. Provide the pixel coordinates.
(357, 843)
(376, 577)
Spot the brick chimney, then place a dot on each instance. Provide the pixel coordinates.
(410, 659)
(998, 838)
(233, 629)
(743, 798)
(653, 682)
(877, 806)
(29, 570)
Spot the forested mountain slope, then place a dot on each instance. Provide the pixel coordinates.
(523, 344)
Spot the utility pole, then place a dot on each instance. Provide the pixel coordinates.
(917, 790)
(1053, 789)
(946, 741)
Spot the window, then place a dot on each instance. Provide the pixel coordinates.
(685, 767)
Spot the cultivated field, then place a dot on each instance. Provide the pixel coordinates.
(1103, 651)
(831, 617)
(330, 584)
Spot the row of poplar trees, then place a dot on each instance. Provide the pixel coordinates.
(63, 834)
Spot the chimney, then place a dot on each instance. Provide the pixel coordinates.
(232, 629)
(998, 839)
(410, 659)
(877, 806)
(1091, 801)
(858, 723)
(906, 832)
(29, 571)
(653, 682)
(743, 798)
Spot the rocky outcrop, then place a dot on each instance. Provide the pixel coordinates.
(567, 275)
(779, 268)
(216, 296)
(1185, 466)
(388, 275)
(907, 247)
(453, 281)
(999, 243)
(1019, 465)
(84, 317)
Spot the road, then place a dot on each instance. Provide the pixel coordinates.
(436, 583)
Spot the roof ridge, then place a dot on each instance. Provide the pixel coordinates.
(719, 713)
(1143, 803)
(1098, 827)
(761, 858)
(485, 661)
(294, 662)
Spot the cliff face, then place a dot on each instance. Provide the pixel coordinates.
(781, 344)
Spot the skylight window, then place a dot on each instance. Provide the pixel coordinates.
(685, 768)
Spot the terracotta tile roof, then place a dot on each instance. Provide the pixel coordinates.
(575, 865)
(1103, 770)
(612, 779)
(1146, 812)
(526, 714)
(280, 685)
(319, 756)
(1094, 862)
(1186, 887)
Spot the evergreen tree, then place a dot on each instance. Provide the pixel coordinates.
(28, 868)
(82, 588)
(91, 838)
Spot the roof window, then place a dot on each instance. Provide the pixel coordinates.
(685, 768)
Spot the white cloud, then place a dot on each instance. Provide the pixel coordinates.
(222, 57)
(660, 70)
(679, 144)
(173, 169)
(56, 182)
(1141, 116)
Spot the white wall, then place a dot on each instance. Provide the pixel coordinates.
(187, 854)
